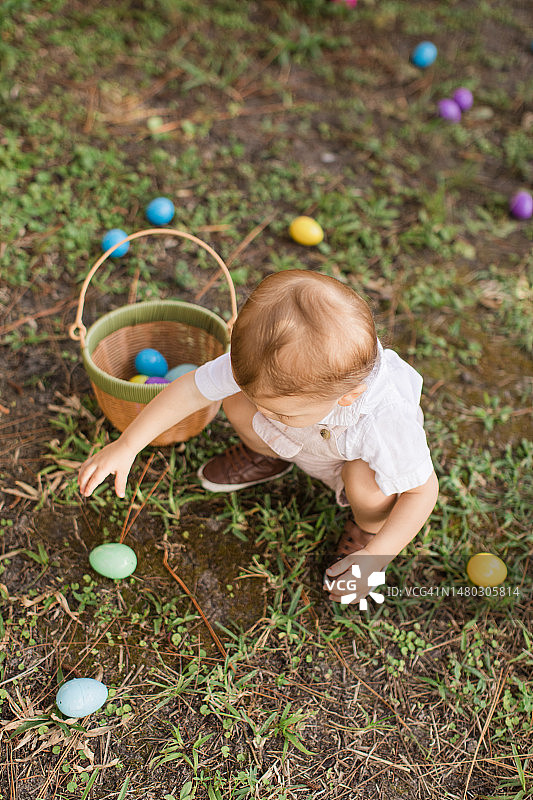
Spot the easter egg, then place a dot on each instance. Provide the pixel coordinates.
(160, 211)
(154, 123)
(486, 569)
(155, 379)
(448, 109)
(424, 54)
(150, 362)
(521, 205)
(81, 696)
(306, 230)
(113, 560)
(464, 98)
(177, 372)
(139, 379)
(112, 237)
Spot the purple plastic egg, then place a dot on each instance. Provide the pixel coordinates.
(521, 205)
(448, 109)
(155, 379)
(464, 98)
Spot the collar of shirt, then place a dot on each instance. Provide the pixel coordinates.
(348, 415)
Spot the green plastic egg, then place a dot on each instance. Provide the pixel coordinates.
(113, 560)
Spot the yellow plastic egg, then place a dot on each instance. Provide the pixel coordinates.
(139, 379)
(306, 230)
(486, 569)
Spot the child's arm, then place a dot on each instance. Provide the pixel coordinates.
(175, 402)
(410, 511)
(408, 515)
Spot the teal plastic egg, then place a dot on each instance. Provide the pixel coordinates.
(81, 696)
(181, 369)
(150, 362)
(424, 54)
(113, 560)
(160, 211)
(112, 237)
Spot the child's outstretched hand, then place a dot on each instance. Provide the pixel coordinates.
(115, 459)
(341, 582)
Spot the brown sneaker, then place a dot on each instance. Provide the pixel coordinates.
(240, 467)
(352, 539)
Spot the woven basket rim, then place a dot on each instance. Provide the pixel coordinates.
(138, 313)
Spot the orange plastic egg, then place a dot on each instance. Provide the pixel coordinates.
(486, 569)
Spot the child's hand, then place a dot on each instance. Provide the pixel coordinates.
(115, 459)
(341, 581)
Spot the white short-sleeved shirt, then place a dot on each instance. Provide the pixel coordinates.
(383, 426)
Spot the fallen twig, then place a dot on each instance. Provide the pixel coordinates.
(123, 531)
(187, 590)
(148, 496)
(501, 684)
(238, 250)
(45, 312)
(341, 658)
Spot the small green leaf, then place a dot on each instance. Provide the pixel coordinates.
(124, 789)
(187, 791)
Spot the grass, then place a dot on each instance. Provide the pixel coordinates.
(249, 116)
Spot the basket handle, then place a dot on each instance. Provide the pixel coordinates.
(78, 330)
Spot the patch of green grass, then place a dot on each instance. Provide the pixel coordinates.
(415, 216)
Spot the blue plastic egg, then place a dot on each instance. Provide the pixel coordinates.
(424, 54)
(160, 211)
(150, 362)
(81, 696)
(181, 369)
(114, 236)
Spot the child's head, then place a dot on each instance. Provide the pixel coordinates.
(303, 334)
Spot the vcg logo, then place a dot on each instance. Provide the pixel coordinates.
(373, 580)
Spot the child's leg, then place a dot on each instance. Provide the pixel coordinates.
(240, 412)
(370, 506)
(244, 464)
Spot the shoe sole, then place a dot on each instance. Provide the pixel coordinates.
(234, 487)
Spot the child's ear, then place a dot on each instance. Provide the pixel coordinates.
(348, 399)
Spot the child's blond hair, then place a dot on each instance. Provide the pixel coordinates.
(303, 333)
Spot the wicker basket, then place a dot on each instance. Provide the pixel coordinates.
(182, 332)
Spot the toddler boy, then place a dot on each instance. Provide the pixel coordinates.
(306, 382)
